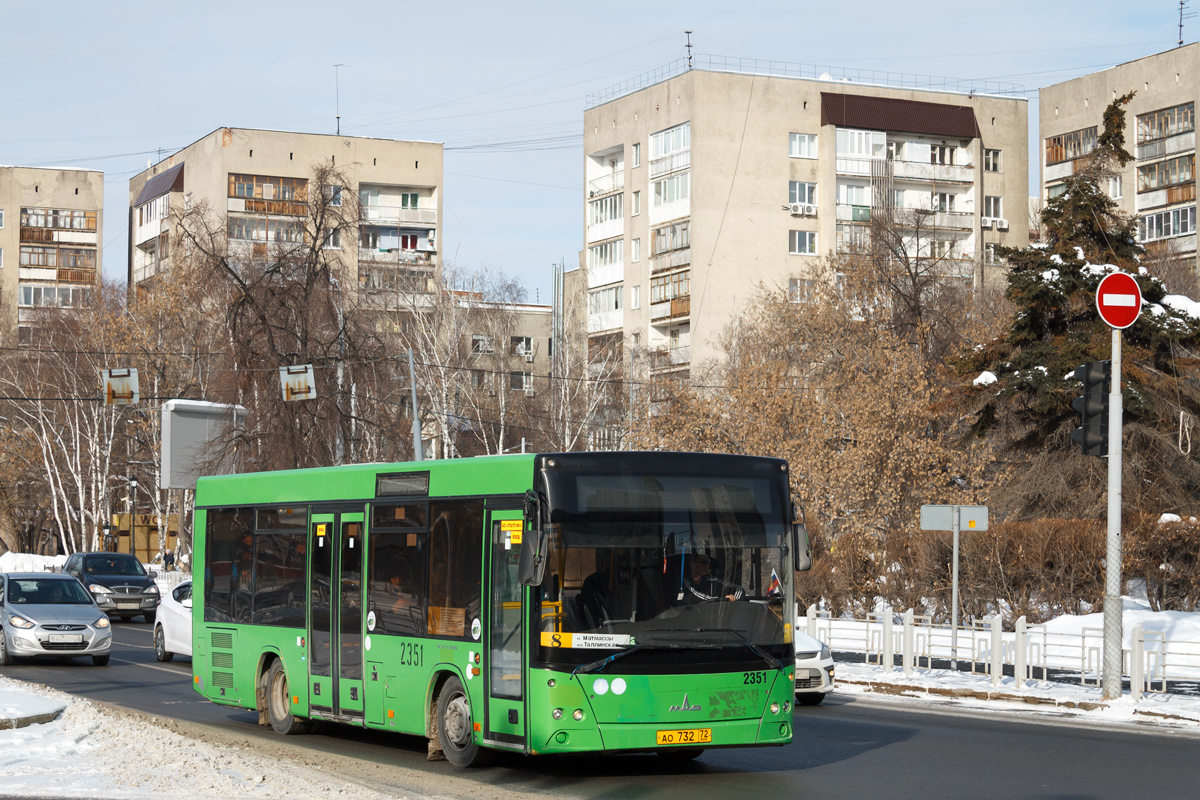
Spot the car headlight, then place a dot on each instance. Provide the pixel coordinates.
(153, 589)
(825, 652)
(19, 622)
(96, 588)
(101, 623)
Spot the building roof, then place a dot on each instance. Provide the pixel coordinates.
(170, 180)
(904, 116)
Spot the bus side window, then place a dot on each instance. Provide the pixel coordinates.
(398, 581)
(455, 562)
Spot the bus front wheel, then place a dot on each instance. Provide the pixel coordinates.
(279, 702)
(455, 728)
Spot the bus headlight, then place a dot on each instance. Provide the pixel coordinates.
(556, 713)
(578, 715)
(774, 708)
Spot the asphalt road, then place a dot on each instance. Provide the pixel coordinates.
(848, 747)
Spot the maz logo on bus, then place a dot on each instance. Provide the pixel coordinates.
(684, 705)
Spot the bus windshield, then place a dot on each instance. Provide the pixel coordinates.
(667, 561)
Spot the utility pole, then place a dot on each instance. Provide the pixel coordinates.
(1182, 17)
(689, 47)
(337, 96)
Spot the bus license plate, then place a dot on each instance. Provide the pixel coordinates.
(66, 637)
(686, 736)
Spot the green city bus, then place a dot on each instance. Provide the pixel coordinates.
(539, 603)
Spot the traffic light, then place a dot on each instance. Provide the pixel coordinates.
(1092, 435)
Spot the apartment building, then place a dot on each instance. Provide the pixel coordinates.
(701, 183)
(1159, 185)
(51, 227)
(257, 183)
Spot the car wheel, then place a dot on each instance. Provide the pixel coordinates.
(160, 645)
(810, 698)
(6, 658)
(150, 615)
(279, 702)
(100, 661)
(455, 729)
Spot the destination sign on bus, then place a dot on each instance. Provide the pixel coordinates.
(585, 640)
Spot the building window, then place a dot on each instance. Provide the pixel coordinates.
(1167, 224)
(1068, 146)
(993, 207)
(602, 300)
(801, 192)
(482, 344)
(1, 257)
(1166, 122)
(669, 190)
(672, 237)
(604, 209)
(799, 290)
(942, 154)
(333, 195)
(635, 250)
(35, 296)
(520, 345)
(334, 240)
(802, 243)
(942, 201)
(854, 195)
(991, 160)
(672, 140)
(1171, 172)
(409, 199)
(802, 145)
(520, 381)
(635, 296)
(601, 255)
(1056, 191)
(943, 248)
(58, 218)
(861, 144)
(265, 187)
(669, 287)
(637, 204)
(1, 219)
(989, 254)
(637, 154)
(1114, 187)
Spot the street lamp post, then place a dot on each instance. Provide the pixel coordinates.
(133, 484)
(107, 528)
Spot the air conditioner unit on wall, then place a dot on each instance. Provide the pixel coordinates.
(529, 392)
(810, 210)
(1001, 224)
(796, 208)
(985, 222)
(529, 358)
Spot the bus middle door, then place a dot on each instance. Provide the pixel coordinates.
(335, 634)
(504, 657)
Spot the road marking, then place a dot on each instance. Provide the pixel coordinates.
(152, 666)
(1129, 300)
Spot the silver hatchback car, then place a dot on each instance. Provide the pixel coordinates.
(50, 614)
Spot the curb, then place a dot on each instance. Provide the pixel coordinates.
(10, 723)
(883, 687)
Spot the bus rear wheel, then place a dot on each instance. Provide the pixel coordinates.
(455, 728)
(279, 702)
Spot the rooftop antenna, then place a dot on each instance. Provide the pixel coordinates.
(689, 45)
(1182, 17)
(337, 97)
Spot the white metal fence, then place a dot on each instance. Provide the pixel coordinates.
(1032, 651)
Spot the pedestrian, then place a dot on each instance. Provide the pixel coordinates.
(168, 560)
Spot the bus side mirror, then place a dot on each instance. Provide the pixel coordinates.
(803, 549)
(532, 567)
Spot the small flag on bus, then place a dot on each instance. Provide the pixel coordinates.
(776, 586)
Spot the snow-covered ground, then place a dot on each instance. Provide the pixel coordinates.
(95, 751)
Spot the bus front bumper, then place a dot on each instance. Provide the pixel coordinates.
(643, 737)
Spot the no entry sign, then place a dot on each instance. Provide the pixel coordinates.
(1119, 300)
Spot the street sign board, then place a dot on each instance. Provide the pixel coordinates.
(188, 428)
(941, 518)
(1119, 300)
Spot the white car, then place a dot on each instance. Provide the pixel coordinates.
(173, 627)
(814, 670)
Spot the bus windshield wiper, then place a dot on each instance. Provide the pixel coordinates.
(601, 663)
(758, 651)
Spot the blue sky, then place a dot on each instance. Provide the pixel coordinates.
(106, 85)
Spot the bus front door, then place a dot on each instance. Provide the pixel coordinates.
(335, 639)
(504, 721)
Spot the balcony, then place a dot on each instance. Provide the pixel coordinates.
(670, 163)
(1162, 147)
(606, 183)
(672, 259)
(252, 205)
(604, 274)
(939, 173)
(670, 357)
(853, 213)
(52, 236)
(672, 309)
(396, 256)
(76, 275)
(396, 215)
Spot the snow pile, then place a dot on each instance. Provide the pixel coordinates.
(102, 753)
(27, 562)
(984, 379)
